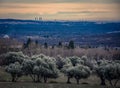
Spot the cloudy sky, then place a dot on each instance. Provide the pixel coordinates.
(61, 9)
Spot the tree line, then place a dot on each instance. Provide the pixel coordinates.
(70, 45)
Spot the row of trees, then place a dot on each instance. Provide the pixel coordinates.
(41, 67)
(38, 67)
(70, 45)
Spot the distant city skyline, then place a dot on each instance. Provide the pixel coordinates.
(101, 10)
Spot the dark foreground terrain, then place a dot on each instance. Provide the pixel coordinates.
(50, 85)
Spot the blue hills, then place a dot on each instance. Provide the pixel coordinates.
(79, 31)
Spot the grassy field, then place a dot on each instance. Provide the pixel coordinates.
(26, 82)
(39, 85)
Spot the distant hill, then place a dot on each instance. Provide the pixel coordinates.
(58, 30)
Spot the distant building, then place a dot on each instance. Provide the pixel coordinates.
(38, 18)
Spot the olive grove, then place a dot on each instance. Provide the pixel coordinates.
(41, 68)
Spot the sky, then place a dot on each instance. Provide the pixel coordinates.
(100, 10)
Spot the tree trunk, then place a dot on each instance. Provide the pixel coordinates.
(45, 79)
(38, 78)
(16, 78)
(77, 81)
(116, 82)
(13, 78)
(33, 77)
(102, 81)
(68, 80)
(111, 84)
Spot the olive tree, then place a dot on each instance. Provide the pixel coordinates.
(100, 70)
(101, 74)
(38, 70)
(15, 69)
(90, 62)
(66, 67)
(76, 60)
(78, 72)
(81, 72)
(45, 68)
(69, 73)
(27, 67)
(112, 72)
(12, 57)
(60, 62)
(108, 70)
(74, 68)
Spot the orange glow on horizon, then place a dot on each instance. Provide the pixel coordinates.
(64, 10)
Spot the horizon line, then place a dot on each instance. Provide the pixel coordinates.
(61, 20)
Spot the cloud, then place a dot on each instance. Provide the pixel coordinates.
(86, 12)
(12, 6)
(19, 15)
(71, 11)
